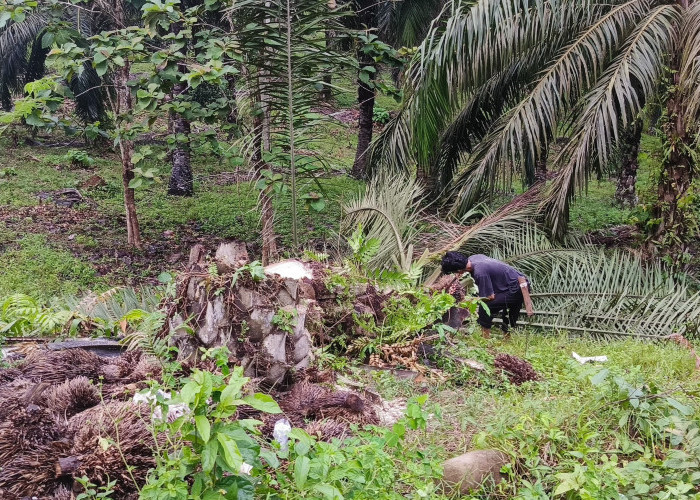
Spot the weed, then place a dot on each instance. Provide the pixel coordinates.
(78, 158)
(380, 115)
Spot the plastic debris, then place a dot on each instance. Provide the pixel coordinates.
(281, 433)
(592, 359)
(175, 411)
(290, 269)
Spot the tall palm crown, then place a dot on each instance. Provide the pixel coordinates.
(492, 85)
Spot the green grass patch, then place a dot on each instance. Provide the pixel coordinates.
(36, 268)
(576, 420)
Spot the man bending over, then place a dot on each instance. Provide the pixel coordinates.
(501, 286)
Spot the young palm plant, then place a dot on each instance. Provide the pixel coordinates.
(284, 52)
(493, 86)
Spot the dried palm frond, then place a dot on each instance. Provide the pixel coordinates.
(115, 442)
(33, 473)
(517, 370)
(71, 397)
(25, 426)
(58, 366)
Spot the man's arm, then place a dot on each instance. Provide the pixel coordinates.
(486, 292)
(526, 296)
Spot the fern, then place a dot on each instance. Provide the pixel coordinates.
(22, 315)
(146, 326)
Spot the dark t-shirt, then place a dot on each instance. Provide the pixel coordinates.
(493, 276)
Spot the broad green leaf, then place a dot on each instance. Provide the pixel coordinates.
(302, 465)
(232, 454)
(189, 391)
(262, 402)
(203, 427)
(328, 491)
(209, 454)
(232, 391)
(600, 377)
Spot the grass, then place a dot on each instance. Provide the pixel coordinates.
(541, 424)
(35, 268)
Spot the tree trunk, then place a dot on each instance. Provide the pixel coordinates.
(267, 211)
(126, 146)
(5, 97)
(267, 217)
(365, 95)
(181, 177)
(626, 194)
(126, 149)
(327, 91)
(673, 211)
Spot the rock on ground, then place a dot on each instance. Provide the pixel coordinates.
(469, 471)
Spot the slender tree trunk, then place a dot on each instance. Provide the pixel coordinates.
(181, 177)
(675, 230)
(365, 96)
(327, 91)
(126, 149)
(267, 210)
(626, 194)
(126, 145)
(267, 217)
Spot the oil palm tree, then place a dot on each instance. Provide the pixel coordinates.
(398, 23)
(25, 45)
(493, 85)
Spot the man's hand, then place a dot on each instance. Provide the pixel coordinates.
(490, 297)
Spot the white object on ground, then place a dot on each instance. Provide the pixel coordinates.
(281, 432)
(594, 359)
(174, 411)
(290, 269)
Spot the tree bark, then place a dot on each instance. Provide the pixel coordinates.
(267, 211)
(626, 194)
(181, 177)
(327, 91)
(126, 148)
(267, 217)
(675, 229)
(365, 96)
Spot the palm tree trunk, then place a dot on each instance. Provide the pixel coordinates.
(181, 177)
(267, 210)
(674, 231)
(626, 194)
(365, 96)
(5, 97)
(267, 217)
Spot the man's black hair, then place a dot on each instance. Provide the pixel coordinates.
(453, 262)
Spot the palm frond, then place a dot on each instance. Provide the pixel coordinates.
(526, 129)
(476, 42)
(16, 40)
(389, 211)
(690, 63)
(616, 98)
(89, 94)
(406, 22)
